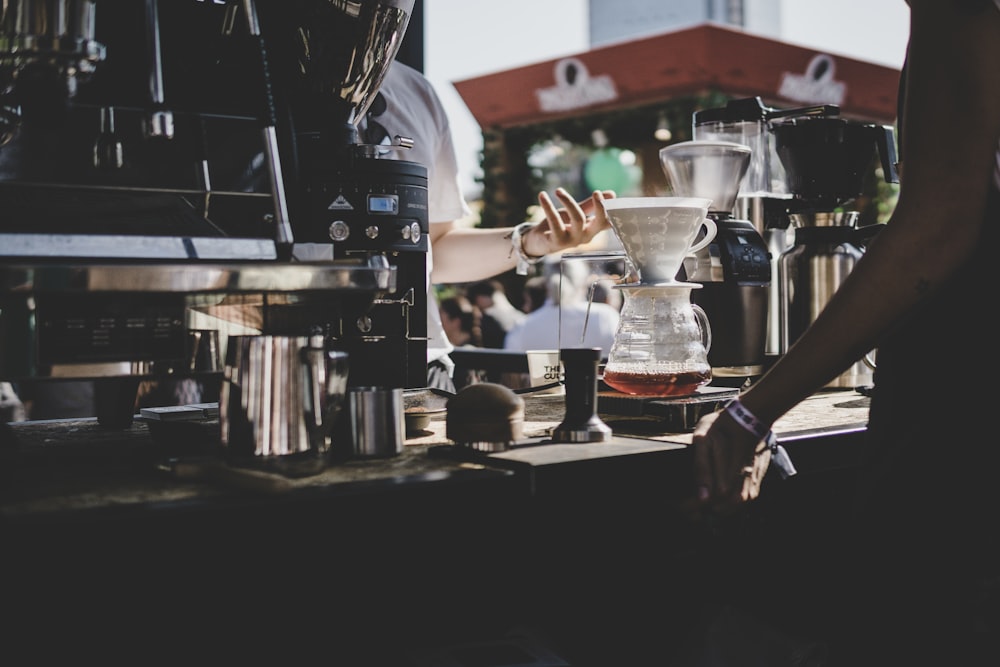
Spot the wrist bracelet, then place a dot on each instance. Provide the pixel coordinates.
(747, 419)
(524, 260)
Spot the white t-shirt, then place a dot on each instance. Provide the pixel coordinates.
(552, 327)
(413, 110)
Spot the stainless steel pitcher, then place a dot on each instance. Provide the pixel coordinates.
(279, 400)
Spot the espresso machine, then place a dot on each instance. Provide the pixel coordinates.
(734, 270)
(175, 173)
(825, 159)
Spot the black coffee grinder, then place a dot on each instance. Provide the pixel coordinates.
(734, 270)
(351, 200)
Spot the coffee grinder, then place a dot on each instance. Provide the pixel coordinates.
(825, 159)
(763, 191)
(352, 200)
(734, 270)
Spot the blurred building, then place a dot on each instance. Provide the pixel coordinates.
(597, 119)
(616, 20)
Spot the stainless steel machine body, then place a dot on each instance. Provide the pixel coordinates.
(164, 164)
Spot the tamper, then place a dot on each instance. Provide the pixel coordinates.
(581, 423)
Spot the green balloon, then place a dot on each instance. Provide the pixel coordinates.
(604, 171)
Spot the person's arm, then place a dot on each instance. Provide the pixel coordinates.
(952, 126)
(467, 254)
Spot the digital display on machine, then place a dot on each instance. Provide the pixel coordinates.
(383, 204)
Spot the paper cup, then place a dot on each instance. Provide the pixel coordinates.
(544, 368)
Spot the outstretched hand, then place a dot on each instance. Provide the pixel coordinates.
(571, 225)
(729, 464)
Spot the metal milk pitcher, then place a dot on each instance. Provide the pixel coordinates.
(279, 399)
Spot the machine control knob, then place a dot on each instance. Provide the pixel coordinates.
(412, 232)
(339, 230)
(371, 231)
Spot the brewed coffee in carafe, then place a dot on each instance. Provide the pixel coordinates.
(662, 340)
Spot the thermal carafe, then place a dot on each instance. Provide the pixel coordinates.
(810, 272)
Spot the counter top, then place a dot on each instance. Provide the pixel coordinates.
(60, 466)
(107, 535)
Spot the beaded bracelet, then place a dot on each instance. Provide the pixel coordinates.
(747, 419)
(524, 260)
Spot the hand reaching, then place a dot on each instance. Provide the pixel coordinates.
(572, 225)
(729, 463)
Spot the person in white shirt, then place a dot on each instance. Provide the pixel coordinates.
(461, 254)
(491, 298)
(567, 318)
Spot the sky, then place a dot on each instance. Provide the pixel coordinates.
(469, 38)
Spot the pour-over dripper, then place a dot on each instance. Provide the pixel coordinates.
(657, 233)
(709, 169)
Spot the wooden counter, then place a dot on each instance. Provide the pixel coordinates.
(372, 561)
(63, 466)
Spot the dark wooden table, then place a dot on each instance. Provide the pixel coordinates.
(373, 562)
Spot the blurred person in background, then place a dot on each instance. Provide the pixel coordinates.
(462, 322)
(490, 296)
(567, 318)
(410, 107)
(533, 293)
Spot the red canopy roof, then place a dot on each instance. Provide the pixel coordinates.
(707, 57)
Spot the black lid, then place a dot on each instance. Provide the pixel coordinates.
(744, 109)
(752, 109)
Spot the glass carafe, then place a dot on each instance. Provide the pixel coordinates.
(662, 342)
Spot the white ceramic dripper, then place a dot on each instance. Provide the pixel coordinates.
(662, 340)
(657, 233)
